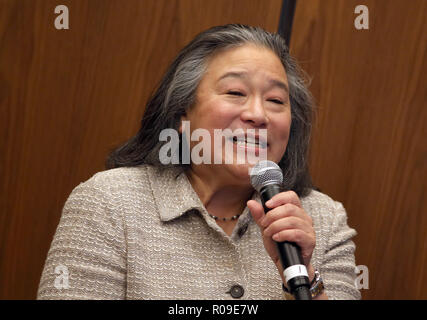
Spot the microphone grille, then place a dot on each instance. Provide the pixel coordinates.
(264, 173)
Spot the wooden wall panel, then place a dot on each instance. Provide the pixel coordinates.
(68, 96)
(368, 148)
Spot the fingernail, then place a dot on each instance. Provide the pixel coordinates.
(276, 237)
(269, 203)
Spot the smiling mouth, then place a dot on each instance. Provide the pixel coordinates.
(252, 142)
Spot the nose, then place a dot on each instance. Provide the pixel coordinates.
(254, 113)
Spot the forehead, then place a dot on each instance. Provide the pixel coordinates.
(249, 59)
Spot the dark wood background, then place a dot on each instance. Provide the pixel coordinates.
(67, 97)
(369, 147)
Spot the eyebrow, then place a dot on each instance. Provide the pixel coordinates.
(243, 75)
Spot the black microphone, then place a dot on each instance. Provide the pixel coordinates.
(266, 178)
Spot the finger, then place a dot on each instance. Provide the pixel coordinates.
(256, 210)
(283, 198)
(307, 244)
(283, 211)
(304, 241)
(287, 224)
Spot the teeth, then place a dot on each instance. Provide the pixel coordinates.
(251, 140)
(248, 141)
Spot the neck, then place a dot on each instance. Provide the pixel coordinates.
(223, 200)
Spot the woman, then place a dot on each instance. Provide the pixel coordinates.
(146, 230)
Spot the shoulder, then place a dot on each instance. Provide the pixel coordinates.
(318, 201)
(116, 177)
(113, 187)
(122, 180)
(329, 218)
(325, 211)
(112, 195)
(126, 175)
(136, 185)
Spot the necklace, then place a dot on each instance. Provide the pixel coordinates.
(225, 219)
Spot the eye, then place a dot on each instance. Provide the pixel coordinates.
(276, 101)
(236, 93)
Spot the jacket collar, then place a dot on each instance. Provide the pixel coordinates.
(173, 193)
(175, 196)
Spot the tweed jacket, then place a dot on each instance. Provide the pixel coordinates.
(143, 233)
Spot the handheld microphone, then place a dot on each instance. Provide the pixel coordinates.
(266, 178)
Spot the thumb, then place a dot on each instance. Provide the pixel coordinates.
(257, 211)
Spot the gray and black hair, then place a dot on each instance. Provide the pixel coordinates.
(176, 93)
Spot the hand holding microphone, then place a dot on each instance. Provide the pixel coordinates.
(287, 230)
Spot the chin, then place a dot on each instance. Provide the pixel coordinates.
(240, 173)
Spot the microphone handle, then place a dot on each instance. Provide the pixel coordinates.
(289, 252)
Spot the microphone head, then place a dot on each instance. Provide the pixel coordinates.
(265, 172)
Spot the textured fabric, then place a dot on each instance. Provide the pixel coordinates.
(143, 233)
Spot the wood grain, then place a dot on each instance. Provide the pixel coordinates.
(69, 96)
(368, 147)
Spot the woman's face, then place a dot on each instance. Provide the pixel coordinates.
(243, 88)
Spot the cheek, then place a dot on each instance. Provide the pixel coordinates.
(281, 128)
(214, 114)
(220, 116)
(282, 125)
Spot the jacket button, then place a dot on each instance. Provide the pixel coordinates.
(237, 291)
